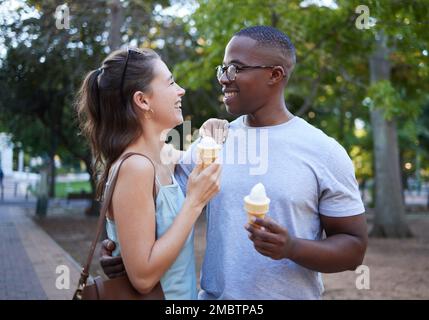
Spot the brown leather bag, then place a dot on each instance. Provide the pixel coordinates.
(118, 288)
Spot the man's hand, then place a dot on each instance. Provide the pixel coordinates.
(216, 129)
(343, 249)
(272, 240)
(113, 267)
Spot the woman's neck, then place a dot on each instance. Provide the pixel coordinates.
(150, 144)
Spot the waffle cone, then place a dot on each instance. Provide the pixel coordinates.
(255, 210)
(207, 155)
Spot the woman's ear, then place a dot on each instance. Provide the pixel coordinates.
(141, 101)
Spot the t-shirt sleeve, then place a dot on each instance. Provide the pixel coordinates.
(184, 167)
(339, 194)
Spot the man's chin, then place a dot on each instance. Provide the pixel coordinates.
(233, 111)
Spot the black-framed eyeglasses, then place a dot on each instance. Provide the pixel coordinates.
(232, 70)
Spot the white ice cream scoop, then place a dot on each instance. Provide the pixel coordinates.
(256, 203)
(258, 195)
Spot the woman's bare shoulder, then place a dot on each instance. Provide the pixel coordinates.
(137, 167)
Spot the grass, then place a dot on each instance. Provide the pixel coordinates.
(64, 188)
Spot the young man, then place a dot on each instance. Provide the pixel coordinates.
(308, 176)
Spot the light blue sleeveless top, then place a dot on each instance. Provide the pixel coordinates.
(180, 280)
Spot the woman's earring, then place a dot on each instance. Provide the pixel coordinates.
(148, 114)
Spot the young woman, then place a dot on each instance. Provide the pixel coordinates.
(125, 106)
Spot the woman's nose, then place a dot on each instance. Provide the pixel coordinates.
(181, 91)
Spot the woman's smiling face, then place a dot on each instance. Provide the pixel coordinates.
(165, 97)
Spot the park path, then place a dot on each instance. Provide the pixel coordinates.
(29, 257)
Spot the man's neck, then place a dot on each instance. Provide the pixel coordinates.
(265, 117)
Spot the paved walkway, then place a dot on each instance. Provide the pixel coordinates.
(29, 259)
(14, 190)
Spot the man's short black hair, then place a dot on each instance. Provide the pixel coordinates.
(267, 36)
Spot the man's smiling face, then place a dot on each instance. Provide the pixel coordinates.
(250, 90)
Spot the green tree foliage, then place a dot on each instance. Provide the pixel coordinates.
(332, 73)
(331, 86)
(45, 65)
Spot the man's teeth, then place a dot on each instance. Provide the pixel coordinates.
(230, 94)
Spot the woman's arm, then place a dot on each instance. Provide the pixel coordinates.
(146, 258)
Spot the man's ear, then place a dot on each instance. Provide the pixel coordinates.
(141, 101)
(277, 75)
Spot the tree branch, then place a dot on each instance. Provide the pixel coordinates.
(308, 102)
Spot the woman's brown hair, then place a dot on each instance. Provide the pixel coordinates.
(105, 110)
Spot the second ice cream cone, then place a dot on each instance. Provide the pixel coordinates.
(256, 204)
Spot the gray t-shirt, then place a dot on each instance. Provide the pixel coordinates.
(305, 173)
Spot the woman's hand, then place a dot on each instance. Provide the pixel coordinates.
(216, 129)
(203, 184)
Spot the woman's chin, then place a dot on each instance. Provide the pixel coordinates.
(172, 123)
(178, 121)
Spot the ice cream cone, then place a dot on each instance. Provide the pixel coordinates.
(208, 151)
(257, 211)
(256, 204)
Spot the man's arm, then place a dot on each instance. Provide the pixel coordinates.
(343, 249)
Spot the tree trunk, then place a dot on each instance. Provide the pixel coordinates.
(274, 18)
(116, 19)
(389, 205)
(341, 127)
(51, 165)
(94, 208)
(43, 193)
(51, 176)
(404, 175)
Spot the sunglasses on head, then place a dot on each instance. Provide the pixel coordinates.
(121, 88)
